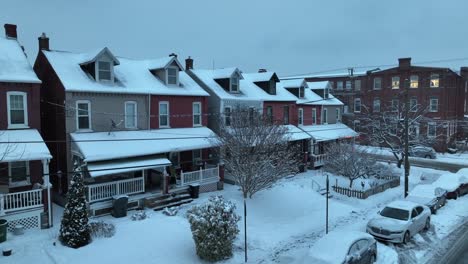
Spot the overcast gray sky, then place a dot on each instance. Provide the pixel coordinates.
(290, 37)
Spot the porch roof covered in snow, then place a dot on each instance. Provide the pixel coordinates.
(100, 146)
(22, 145)
(97, 169)
(296, 133)
(330, 132)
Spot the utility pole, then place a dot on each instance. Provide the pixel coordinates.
(407, 165)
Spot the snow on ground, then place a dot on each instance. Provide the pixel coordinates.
(283, 222)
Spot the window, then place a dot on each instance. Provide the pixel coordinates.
(234, 84)
(348, 85)
(314, 116)
(83, 115)
(17, 110)
(414, 131)
(357, 125)
(269, 114)
(357, 85)
(251, 115)
(419, 209)
(431, 129)
(272, 87)
(197, 156)
(413, 104)
(433, 104)
(163, 114)
(300, 116)
(172, 76)
(18, 173)
(326, 93)
(414, 81)
(338, 116)
(104, 71)
(414, 213)
(286, 115)
(301, 92)
(395, 82)
(174, 157)
(395, 105)
(376, 106)
(130, 114)
(377, 83)
(339, 85)
(227, 116)
(434, 80)
(196, 110)
(325, 116)
(357, 105)
(345, 109)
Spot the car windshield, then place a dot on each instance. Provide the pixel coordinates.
(395, 213)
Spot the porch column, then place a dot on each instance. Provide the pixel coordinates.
(48, 185)
(166, 179)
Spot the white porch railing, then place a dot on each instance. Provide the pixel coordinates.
(11, 202)
(319, 160)
(199, 176)
(105, 191)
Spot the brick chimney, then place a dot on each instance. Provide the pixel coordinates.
(262, 70)
(464, 72)
(404, 63)
(10, 31)
(189, 63)
(173, 55)
(43, 42)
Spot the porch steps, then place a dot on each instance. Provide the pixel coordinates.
(172, 199)
(184, 201)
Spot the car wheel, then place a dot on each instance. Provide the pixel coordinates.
(428, 224)
(406, 238)
(427, 156)
(372, 259)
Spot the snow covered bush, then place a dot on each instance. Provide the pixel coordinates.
(214, 228)
(171, 211)
(101, 229)
(74, 231)
(139, 215)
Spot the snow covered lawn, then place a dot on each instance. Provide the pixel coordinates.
(283, 222)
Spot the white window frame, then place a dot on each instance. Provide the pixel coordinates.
(19, 183)
(111, 70)
(300, 113)
(355, 109)
(338, 115)
(348, 85)
(356, 123)
(395, 82)
(413, 108)
(432, 77)
(324, 116)
(78, 115)
(374, 104)
(339, 85)
(314, 116)
(196, 114)
(375, 82)
(414, 81)
(232, 80)
(167, 115)
(301, 92)
(428, 129)
(25, 110)
(356, 86)
(431, 100)
(226, 116)
(177, 76)
(134, 117)
(326, 93)
(200, 158)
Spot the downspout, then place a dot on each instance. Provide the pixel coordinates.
(149, 111)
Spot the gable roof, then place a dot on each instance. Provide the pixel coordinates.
(14, 66)
(262, 76)
(133, 76)
(255, 92)
(294, 83)
(93, 56)
(226, 73)
(165, 62)
(319, 85)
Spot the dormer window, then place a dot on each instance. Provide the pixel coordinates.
(272, 87)
(326, 93)
(234, 88)
(104, 71)
(172, 76)
(301, 92)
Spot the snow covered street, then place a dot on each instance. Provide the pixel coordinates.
(283, 223)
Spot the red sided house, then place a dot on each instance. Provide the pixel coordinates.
(24, 157)
(138, 127)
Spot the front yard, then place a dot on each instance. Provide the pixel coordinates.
(283, 222)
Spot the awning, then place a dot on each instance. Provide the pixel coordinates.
(295, 133)
(97, 169)
(330, 132)
(22, 145)
(99, 146)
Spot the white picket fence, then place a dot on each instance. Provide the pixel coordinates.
(105, 191)
(200, 176)
(18, 201)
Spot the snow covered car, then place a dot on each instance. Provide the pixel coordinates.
(429, 195)
(343, 247)
(399, 221)
(422, 151)
(456, 184)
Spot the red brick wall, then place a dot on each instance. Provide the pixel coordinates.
(33, 101)
(180, 110)
(278, 111)
(308, 113)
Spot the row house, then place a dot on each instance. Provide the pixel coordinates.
(440, 92)
(138, 127)
(24, 157)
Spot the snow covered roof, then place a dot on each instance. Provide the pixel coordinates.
(163, 63)
(94, 55)
(293, 83)
(319, 85)
(99, 146)
(208, 77)
(402, 204)
(133, 76)
(97, 169)
(226, 73)
(14, 66)
(253, 91)
(329, 131)
(334, 246)
(261, 76)
(22, 145)
(295, 133)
